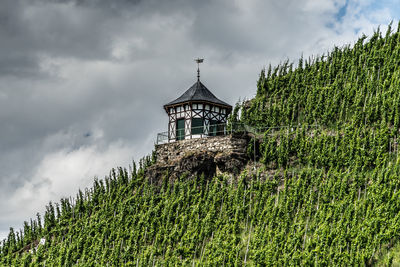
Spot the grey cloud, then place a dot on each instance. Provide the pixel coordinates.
(94, 3)
(84, 30)
(30, 29)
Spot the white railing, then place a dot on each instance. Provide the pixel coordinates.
(223, 129)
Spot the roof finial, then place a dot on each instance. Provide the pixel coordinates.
(198, 61)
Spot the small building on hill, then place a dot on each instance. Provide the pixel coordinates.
(196, 113)
(197, 141)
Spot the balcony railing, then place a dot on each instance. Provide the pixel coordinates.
(196, 132)
(223, 129)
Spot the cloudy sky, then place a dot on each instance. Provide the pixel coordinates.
(82, 82)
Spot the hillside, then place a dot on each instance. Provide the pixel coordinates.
(324, 195)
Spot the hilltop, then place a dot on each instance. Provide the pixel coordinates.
(325, 190)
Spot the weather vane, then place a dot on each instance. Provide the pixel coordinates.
(198, 61)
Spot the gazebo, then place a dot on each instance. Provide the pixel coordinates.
(196, 113)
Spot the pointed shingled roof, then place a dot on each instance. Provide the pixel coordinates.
(198, 92)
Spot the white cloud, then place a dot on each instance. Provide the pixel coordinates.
(61, 174)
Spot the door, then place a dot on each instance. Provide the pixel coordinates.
(180, 129)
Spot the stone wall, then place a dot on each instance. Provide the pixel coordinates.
(194, 157)
(176, 150)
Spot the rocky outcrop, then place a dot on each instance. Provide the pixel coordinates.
(231, 162)
(203, 156)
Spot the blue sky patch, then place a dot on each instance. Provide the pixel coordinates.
(342, 12)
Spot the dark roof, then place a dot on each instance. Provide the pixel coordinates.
(198, 92)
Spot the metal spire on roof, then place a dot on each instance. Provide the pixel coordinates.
(198, 61)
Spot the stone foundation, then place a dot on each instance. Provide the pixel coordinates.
(194, 157)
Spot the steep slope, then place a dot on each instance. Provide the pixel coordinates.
(351, 85)
(323, 195)
(315, 218)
